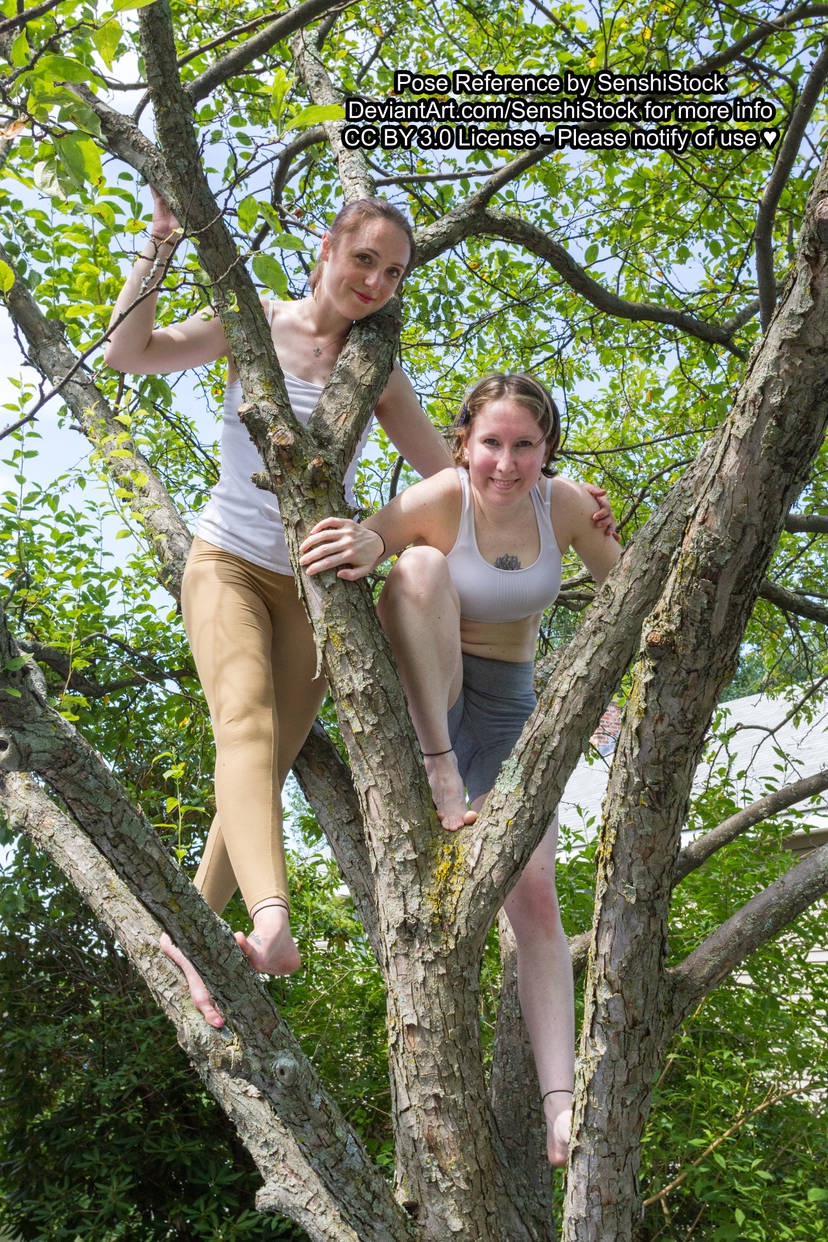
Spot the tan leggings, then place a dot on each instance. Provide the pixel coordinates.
(255, 655)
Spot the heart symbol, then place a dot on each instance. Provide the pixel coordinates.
(769, 137)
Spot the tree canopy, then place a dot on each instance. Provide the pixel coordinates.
(630, 202)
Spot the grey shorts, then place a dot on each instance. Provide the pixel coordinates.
(487, 719)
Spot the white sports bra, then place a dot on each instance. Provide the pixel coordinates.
(488, 593)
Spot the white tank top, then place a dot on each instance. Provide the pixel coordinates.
(488, 593)
(240, 517)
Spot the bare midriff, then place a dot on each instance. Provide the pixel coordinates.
(513, 641)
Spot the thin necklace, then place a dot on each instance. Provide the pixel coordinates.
(338, 339)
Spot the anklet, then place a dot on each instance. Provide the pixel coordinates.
(557, 1091)
(270, 903)
(434, 754)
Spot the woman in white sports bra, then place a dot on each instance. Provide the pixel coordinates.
(462, 607)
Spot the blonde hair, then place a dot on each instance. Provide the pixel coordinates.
(522, 388)
(353, 216)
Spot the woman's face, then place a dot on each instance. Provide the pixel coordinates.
(505, 450)
(363, 267)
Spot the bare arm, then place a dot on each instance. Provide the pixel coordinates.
(427, 512)
(603, 516)
(402, 418)
(572, 510)
(135, 344)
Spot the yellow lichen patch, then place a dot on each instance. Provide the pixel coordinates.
(448, 875)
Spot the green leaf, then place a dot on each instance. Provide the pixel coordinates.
(270, 273)
(286, 241)
(61, 69)
(248, 213)
(315, 114)
(106, 39)
(15, 663)
(46, 178)
(817, 1194)
(20, 50)
(120, 6)
(281, 85)
(80, 158)
(6, 277)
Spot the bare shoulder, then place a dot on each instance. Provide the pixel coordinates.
(571, 510)
(441, 488)
(570, 500)
(280, 314)
(427, 512)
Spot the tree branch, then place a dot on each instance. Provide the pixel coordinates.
(703, 847)
(149, 500)
(237, 61)
(354, 174)
(741, 1120)
(764, 30)
(783, 166)
(59, 660)
(325, 781)
(793, 601)
(762, 918)
(689, 649)
(124, 139)
(499, 224)
(257, 1048)
(800, 523)
(227, 1068)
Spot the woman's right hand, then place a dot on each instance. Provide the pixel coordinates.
(352, 548)
(164, 223)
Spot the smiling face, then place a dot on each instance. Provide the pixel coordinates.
(362, 268)
(505, 450)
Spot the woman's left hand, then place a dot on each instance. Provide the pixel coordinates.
(603, 518)
(335, 542)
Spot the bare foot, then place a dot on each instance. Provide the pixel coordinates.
(200, 996)
(447, 791)
(557, 1110)
(270, 947)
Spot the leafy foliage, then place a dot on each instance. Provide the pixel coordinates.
(107, 1136)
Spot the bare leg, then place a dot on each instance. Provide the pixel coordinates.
(270, 949)
(546, 989)
(420, 613)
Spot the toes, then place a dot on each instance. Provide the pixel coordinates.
(198, 992)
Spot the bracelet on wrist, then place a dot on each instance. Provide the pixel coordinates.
(384, 553)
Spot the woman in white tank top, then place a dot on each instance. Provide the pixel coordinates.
(251, 640)
(462, 607)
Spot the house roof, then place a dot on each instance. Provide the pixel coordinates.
(763, 747)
